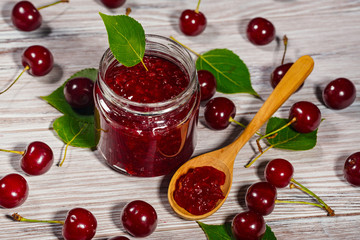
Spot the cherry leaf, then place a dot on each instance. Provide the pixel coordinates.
(72, 122)
(214, 232)
(126, 38)
(269, 234)
(74, 131)
(223, 231)
(231, 73)
(288, 138)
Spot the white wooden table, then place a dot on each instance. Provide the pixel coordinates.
(328, 30)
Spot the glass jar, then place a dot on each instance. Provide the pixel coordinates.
(147, 138)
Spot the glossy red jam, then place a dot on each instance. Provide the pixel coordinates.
(161, 81)
(147, 118)
(199, 190)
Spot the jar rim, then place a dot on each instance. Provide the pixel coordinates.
(154, 108)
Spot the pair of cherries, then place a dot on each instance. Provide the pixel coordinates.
(138, 218)
(37, 159)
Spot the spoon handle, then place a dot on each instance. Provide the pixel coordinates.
(292, 80)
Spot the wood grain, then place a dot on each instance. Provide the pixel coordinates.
(327, 30)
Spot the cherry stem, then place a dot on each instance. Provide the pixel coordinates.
(19, 218)
(254, 160)
(197, 54)
(242, 125)
(12, 151)
(278, 130)
(197, 7)
(127, 11)
(238, 123)
(268, 136)
(51, 4)
(299, 186)
(67, 145)
(300, 202)
(24, 70)
(285, 41)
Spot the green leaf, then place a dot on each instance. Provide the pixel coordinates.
(126, 38)
(67, 127)
(223, 232)
(72, 123)
(289, 138)
(231, 73)
(58, 101)
(269, 234)
(214, 232)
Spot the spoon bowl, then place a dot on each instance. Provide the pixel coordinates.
(223, 158)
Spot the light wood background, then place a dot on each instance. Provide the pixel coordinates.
(328, 30)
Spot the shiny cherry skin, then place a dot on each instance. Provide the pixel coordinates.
(80, 224)
(78, 92)
(352, 169)
(113, 3)
(37, 158)
(14, 190)
(139, 218)
(308, 116)
(279, 172)
(218, 111)
(25, 16)
(339, 93)
(207, 83)
(119, 238)
(248, 225)
(278, 73)
(260, 198)
(192, 22)
(39, 59)
(260, 31)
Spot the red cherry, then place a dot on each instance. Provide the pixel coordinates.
(248, 225)
(119, 238)
(279, 172)
(139, 218)
(39, 59)
(14, 190)
(308, 116)
(192, 22)
(260, 198)
(207, 83)
(339, 93)
(25, 16)
(37, 158)
(278, 73)
(78, 92)
(218, 111)
(352, 169)
(80, 224)
(260, 31)
(113, 3)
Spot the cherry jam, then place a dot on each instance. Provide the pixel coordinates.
(199, 190)
(146, 118)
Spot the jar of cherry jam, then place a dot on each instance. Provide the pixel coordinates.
(146, 118)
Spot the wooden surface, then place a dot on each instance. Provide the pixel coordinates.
(328, 30)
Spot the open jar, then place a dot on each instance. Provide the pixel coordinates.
(146, 119)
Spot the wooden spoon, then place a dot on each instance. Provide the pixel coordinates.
(223, 159)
